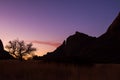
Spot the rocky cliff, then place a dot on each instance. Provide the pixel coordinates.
(4, 54)
(81, 47)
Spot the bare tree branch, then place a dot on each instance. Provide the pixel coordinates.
(19, 48)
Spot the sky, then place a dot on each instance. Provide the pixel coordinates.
(47, 23)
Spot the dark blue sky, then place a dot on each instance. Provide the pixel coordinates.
(52, 21)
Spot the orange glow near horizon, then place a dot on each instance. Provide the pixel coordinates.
(43, 48)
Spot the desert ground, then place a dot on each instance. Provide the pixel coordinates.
(38, 70)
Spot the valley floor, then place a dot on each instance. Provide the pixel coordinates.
(38, 70)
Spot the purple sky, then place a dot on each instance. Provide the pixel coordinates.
(48, 22)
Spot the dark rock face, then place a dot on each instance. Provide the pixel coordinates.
(71, 48)
(75, 43)
(114, 28)
(107, 47)
(4, 54)
(81, 47)
(1, 46)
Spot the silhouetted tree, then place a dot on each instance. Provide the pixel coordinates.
(20, 48)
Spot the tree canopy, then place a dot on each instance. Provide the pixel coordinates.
(19, 48)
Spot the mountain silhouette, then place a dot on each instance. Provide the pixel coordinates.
(73, 45)
(83, 48)
(4, 54)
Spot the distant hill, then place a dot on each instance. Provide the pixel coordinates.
(4, 54)
(83, 48)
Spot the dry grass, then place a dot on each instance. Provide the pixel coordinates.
(37, 70)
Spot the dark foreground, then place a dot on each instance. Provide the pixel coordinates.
(38, 70)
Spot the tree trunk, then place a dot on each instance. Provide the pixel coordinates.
(21, 59)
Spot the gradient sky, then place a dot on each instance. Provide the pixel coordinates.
(47, 23)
